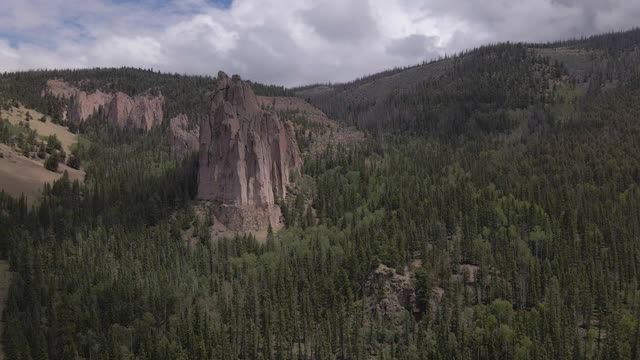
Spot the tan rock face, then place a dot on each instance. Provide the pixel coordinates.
(84, 105)
(120, 108)
(183, 140)
(141, 111)
(246, 153)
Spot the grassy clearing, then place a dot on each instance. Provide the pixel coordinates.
(44, 129)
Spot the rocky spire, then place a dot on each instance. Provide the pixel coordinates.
(246, 153)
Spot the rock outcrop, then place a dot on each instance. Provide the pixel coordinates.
(322, 132)
(141, 111)
(246, 157)
(84, 105)
(390, 294)
(182, 139)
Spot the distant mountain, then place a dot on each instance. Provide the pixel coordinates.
(456, 95)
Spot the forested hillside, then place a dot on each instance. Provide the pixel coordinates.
(185, 94)
(460, 94)
(493, 213)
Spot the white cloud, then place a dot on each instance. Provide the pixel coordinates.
(283, 41)
(124, 49)
(414, 47)
(334, 20)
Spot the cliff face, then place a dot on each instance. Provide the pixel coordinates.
(246, 154)
(183, 140)
(141, 111)
(84, 105)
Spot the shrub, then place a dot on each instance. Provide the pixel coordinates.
(51, 163)
(73, 161)
(53, 144)
(62, 156)
(42, 151)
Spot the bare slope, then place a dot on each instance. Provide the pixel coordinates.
(17, 115)
(22, 175)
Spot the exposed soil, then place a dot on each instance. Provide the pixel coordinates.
(21, 175)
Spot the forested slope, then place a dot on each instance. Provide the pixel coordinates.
(455, 95)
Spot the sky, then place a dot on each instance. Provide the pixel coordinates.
(286, 42)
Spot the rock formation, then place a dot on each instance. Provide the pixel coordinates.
(246, 156)
(183, 140)
(141, 111)
(390, 294)
(325, 132)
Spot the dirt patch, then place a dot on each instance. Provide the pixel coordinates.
(21, 175)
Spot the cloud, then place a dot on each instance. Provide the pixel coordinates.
(282, 41)
(591, 11)
(415, 47)
(334, 20)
